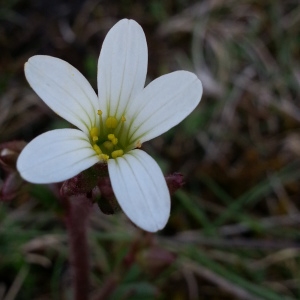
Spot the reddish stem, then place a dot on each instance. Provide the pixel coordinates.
(77, 212)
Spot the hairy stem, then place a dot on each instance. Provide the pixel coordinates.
(77, 212)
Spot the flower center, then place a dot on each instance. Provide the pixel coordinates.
(106, 140)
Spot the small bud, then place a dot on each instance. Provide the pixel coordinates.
(10, 187)
(107, 202)
(9, 153)
(174, 182)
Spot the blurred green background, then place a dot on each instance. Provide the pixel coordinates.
(234, 228)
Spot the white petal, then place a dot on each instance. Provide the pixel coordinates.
(64, 89)
(140, 189)
(164, 103)
(122, 66)
(55, 156)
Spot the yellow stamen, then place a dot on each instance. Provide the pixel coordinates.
(117, 153)
(94, 131)
(123, 119)
(111, 136)
(138, 144)
(104, 157)
(111, 122)
(99, 112)
(97, 149)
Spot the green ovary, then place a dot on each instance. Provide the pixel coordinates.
(106, 139)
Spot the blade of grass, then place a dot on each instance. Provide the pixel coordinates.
(255, 289)
(251, 197)
(198, 214)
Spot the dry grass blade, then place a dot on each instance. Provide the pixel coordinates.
(17, 284)
(219, 281)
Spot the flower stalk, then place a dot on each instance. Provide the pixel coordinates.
(77, 212)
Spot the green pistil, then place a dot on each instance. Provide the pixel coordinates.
(105, 139)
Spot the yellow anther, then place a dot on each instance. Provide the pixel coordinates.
(95, 138)
(123, 119)
(104, 157)
(97, 149)
(117, 153)
(99, 112)
(108, 145)
(111, 122)
(94, 131)
(111, 136)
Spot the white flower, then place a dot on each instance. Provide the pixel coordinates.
(113, 125)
